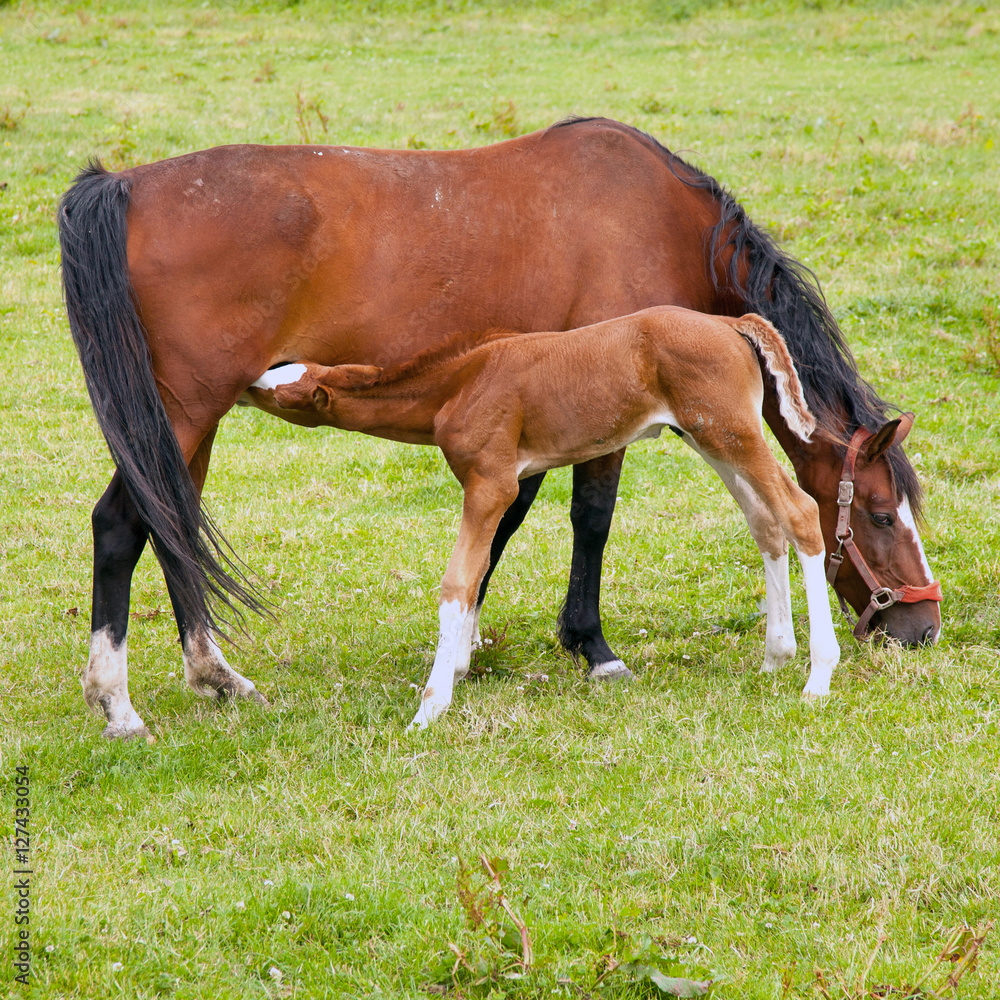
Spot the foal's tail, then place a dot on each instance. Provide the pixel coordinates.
(114, 352)
(771, 346)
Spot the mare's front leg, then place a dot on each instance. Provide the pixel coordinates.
(487, 496)
(119, 538)
(205, 666)
(595, 490)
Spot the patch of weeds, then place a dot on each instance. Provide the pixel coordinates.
(985, 352)
(644, 962)
(508, 953)
(958, 956)
(306, 109)
(11, 119)
(485, 657)
(414, 143)
(266, 73)
(652, 105)
(503, 119)
(122, 144)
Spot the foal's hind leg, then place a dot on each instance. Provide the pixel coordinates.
(779, 641)
(595, 490)
(796, 516)
(119, 538)
(205, 667)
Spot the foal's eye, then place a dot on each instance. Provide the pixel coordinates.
(884, 520)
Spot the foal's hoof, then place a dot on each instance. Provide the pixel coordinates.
(613, 670)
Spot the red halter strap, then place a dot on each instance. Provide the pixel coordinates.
(882, 597)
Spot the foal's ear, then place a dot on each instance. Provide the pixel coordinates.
(352, 376)
(893, 432)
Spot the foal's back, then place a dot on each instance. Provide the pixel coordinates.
(584, 393)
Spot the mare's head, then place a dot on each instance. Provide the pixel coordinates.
(879, 515)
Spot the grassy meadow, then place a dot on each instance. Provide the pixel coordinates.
(704, 821)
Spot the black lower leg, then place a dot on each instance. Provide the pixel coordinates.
(595, 489)
(119, 538)
(509, 523)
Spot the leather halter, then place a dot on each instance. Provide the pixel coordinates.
(882, 597)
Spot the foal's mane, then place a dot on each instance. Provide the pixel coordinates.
(454, 346)
(786, 292)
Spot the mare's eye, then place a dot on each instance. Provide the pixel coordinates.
(884, 520)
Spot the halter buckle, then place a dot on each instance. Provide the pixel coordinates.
(883, 598)
(845, 496)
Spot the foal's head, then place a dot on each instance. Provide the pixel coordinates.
(317, 388)
(884, 530)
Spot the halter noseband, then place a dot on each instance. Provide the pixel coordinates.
(882, 597)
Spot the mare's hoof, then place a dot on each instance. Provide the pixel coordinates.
(119, 732)
(613, 670)
(815, 696)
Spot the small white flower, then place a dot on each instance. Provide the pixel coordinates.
(349, 895)
(768, 925)
(780, 802)
(50, 947)
(171, 676)
(275, 973)
(691, 940)
(286, 914)
(684, 656)
(267, 881)
(240, 905)
(117, 966)
(175, 842)
(816, 924)
(454, 859)
(642, 631)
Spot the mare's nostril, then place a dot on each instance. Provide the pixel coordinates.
(928, 637)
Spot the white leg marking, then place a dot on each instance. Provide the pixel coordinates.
(779, 643)
(451, 659)
(906, 516)
(823, 649)
(208, 673)
(105, 686)
(284, 375)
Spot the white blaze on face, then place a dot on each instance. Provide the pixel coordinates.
(909, 521)
(284, 375)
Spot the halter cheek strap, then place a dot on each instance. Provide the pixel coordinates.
(882, 597)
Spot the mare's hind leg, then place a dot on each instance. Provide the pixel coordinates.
(119, 538)
(595, 490)
(205, 667)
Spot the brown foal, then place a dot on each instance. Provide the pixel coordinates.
(508, 407)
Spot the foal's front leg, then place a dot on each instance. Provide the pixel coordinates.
(486, 498)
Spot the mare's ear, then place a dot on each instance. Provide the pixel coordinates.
(352, 376)
(893, 432)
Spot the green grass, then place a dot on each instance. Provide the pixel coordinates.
(705, 811)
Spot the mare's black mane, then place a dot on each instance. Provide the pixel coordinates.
(787, 293)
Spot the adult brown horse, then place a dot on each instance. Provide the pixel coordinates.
(188, 278)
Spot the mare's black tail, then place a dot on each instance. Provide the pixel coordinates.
(114, 351)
